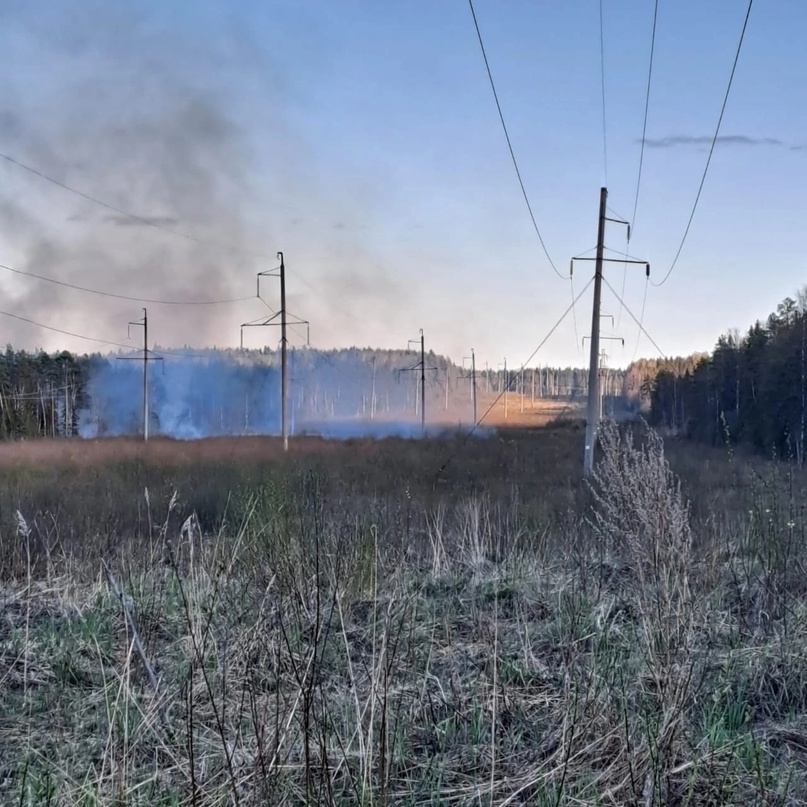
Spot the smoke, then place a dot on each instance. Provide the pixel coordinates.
(349, 393)
(139, 118)
(180, 120)
(187, 398)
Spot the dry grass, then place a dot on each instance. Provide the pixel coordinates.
(350, 630)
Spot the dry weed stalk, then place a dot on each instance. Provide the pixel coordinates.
(643, 521)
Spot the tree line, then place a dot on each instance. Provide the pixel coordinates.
(751, 390)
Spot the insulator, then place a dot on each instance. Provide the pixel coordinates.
(571, 268)
(647, 270)
(629, 233)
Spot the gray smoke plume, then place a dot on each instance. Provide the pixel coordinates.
(136, 118)
(188, 398)
(183, 125)
(343, 394)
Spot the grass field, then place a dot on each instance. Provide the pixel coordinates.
(401, 622)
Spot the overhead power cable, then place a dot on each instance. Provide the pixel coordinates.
(711, 148)
(146, 222)
(641, 319)
(122, 296)
(602, 84)
(641, 151)
(631, 315)
(170, 231)
(574, 315)
(65, 333)
(646, 110)
(510, 381)
(509, 143)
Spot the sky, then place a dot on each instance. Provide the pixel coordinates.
(362, 140)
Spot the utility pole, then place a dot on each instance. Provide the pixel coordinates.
(522, 390)
(421, 365)
(422, 383)
(604, 377)
(146, 359)
(592, 417)
(593, 408)
(284, 380)
(372, 394)
(283, 315)
(505, 385)
(472, 359)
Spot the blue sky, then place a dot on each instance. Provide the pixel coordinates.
(361, 138)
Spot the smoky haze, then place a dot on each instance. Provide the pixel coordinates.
(128, 125)
(345, 393)
(156, 121)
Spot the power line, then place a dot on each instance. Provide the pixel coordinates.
(624, 275)
(641, 148)
(646, 110)
(509, 143)
(630, 313)
(574, 314)
(65, 333)
(641, 319)
(641, 164)
(602, 83)
(510, 381)
(157, 226)
(712, 147)
(122, 296)
(147, 222)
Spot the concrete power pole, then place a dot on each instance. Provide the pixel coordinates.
(146, 359)
(505, 385)
(421, 365)
(473, 383)
(372, 393)
(472, 376)
(283, 314)
(422, 383)
(522, 390)
(145, 375)
(592, 417)
(284, 370)
(593, 408)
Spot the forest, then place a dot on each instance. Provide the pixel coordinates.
(750, 391)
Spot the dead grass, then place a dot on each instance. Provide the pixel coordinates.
(350, 628)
